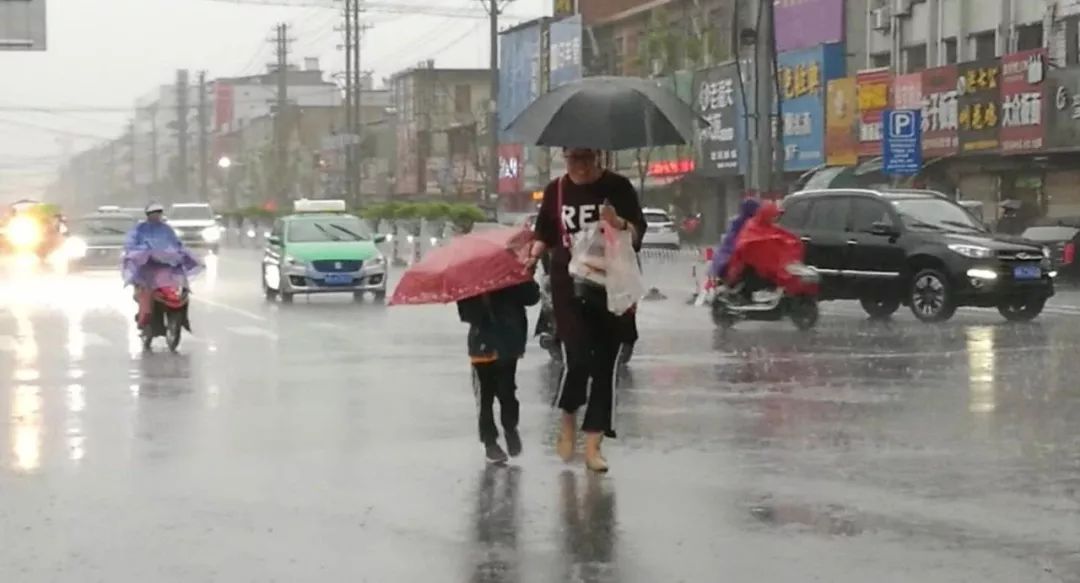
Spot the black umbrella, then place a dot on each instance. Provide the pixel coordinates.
(607, 113)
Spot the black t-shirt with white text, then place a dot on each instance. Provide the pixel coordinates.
(581, 205)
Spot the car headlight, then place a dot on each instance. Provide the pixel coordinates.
(290, 260)
(378, 261)
(75, 248)
(211, 234)
(972, 251)
(24, 232)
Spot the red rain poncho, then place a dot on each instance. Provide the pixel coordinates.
(768, 249)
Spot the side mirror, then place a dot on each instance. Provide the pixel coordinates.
(273, 240)
(884, 230)
(380, 238)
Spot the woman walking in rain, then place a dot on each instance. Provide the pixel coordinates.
(591, 335)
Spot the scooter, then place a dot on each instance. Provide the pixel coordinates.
(730, 305)
(545, 328)
(168, 318)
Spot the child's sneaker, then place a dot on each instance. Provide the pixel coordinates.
(495, 454)
(513, 443)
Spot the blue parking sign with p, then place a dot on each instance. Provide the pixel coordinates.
(902, 142)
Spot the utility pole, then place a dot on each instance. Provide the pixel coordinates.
(358, 99)
(350, 96)
(204, 147)
(182, 132)
(132, 176)
(763, 161)
(281, 115)
(153, 148)
(493, 114)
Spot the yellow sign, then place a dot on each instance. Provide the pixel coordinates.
(982, 79)
(978, 116)
(538, 195)
(800, 80)
(841, 142)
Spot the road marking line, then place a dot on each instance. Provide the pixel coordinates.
(253, 331)
(228, 308)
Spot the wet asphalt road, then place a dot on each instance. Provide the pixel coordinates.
(329, 441)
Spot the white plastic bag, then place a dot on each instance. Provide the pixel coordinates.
(625, 287)
(588, 257)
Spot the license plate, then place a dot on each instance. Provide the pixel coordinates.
(338, 278)
(1027, 272)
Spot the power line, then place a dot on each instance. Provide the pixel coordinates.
(34, 126)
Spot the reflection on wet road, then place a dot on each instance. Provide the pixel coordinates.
(335, 441)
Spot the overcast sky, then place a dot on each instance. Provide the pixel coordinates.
(107, 53)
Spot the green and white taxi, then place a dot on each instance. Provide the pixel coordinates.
(322, 249)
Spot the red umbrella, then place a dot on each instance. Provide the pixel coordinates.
(469, 265)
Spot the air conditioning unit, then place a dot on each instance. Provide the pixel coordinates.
(902, 7)
(880, 18)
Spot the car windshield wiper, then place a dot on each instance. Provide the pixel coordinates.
(356, 236)
(326, 232)
(962, 225)
(916, 223)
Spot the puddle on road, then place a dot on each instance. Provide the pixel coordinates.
(830, 520)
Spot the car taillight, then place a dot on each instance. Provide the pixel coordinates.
(1069, 253)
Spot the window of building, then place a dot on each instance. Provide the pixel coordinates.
(951, 51)
(915, 58)
(1029, 36)
(880, 60)
(462, 98)
(985, 45)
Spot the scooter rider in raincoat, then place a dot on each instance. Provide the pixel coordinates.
(150, 238)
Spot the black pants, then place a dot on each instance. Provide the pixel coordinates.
(493, 380)
(591, 356)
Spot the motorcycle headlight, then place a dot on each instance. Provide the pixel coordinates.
(211, 234)
(24, 232)
(75, 248)
(972, 251)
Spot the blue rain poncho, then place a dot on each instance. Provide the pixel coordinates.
(154, 257)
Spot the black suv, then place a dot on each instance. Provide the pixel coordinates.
(917, 248)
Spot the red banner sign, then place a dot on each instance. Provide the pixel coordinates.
(224, 105)
(940, 111)
(1022, 91)
(511, 168)
(665, 168)
(873, 94)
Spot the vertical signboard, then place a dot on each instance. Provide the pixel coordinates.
(841, 137)
(1063, 113)
(940, 111)
(716, 90)
(224, 105)
(802, 24)
(565, 51)
(803, 78)
(873, 88)
(1022, 84)
(519, 73)
(978, 92)
(511, 167)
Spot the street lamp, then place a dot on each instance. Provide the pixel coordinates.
(224, 162)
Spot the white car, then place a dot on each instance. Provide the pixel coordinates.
(661, 231)
(195, 224)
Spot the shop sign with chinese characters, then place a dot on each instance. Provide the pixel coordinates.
(715, 94)
(803, 78)
(978, 88)
(1022, 88)
(940, 112)
(873, 90)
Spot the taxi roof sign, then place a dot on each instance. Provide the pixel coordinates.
(319, 206)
